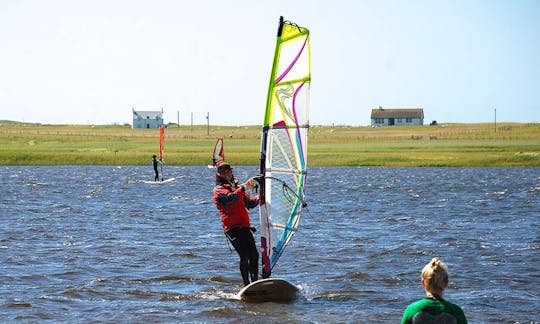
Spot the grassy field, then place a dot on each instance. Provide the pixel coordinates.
(508, 144)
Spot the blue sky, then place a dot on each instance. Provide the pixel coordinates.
(90, 62)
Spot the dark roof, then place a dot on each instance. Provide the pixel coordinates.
(148, 114)
(397, 113)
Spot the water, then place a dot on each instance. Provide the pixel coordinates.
(90, 244)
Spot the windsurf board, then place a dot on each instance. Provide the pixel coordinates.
(269, 290)
(158, 182)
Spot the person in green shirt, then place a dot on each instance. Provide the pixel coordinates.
(433, 308)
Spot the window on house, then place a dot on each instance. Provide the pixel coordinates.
(408, 120)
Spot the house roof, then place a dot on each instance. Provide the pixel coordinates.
(397, 113)
(148, 114)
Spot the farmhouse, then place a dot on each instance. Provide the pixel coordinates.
(392, 116)
(147, 119)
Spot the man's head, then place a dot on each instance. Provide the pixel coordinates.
(223, 166)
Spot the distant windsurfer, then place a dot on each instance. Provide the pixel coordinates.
(155, 163)
(233, 203)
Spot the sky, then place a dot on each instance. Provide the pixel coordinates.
(92, 61)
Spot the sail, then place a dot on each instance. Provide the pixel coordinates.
(218, 155)
(283, 158)
(161, 142)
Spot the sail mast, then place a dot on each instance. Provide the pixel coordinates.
(161, 147)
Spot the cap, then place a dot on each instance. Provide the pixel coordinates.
(223, 166)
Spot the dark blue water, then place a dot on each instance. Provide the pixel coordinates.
(91, 244)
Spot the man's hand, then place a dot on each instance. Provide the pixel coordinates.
(250, 183)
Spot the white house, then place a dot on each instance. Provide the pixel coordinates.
(392, 116)
(147, 119)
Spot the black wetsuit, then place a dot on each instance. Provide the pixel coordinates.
(244, 243)
(155, 163)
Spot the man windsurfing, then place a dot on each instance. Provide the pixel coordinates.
(233, 203)
(155, 163)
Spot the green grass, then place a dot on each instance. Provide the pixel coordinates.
(510, 144)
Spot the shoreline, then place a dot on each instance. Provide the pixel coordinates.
(445, 145)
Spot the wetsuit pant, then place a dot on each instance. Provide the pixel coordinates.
(244, 243)
(156, 177)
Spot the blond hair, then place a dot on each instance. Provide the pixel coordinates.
(435, 275)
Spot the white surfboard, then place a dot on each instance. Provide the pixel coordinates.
(158, 182)
(269, 290)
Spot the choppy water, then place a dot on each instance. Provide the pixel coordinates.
(89, 244)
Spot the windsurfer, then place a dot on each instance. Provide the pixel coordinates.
(233, 203)
(155, 163)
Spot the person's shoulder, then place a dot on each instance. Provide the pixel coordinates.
(421, 302)
(412, 309)
(221, 186)
(450, 304)
(418, 305)
(455, 308)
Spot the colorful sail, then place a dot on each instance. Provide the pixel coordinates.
(284, 143)
(218, 155)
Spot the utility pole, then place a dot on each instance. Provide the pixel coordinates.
(178, 118)
(192, 121)
(495, 120)
(208, 123)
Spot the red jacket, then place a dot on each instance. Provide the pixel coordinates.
(233, 204)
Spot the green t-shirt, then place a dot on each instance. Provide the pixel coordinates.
(430, 310)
